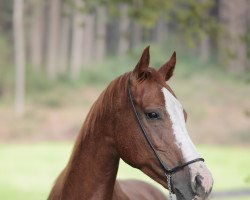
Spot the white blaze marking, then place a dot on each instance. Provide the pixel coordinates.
(183, 141)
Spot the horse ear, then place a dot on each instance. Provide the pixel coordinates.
(167, 69)
(143, 64)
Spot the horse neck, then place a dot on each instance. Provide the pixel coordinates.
(92, 169)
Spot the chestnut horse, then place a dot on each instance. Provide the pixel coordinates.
(139, 119)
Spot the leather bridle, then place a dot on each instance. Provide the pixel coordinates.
(167, 171)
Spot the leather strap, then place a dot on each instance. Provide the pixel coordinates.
(163, 165)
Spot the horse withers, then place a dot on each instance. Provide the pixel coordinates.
(139, 119)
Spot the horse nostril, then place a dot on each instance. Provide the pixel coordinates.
(197, 185)
(198, 180)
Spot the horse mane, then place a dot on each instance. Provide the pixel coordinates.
(102, 108)
(106, 102)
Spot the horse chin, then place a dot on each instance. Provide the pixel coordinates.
(181, 196)
(183, 192)
(181, 186)
(180, 183)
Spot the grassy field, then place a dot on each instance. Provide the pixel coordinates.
(27, 171)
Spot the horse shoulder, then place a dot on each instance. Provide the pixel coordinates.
(136, 190)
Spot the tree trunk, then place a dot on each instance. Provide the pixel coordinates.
(88, 44)
(248, 35)
(160, 32)
(52, 42)
(77, 41)
(36, 45)
(64, 40)
(101, 23)
(136, 35)
(123, 42)
(204, 48)
(19, 48)
(112, 36)
(233, 15)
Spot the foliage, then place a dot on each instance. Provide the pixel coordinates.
(191, 18)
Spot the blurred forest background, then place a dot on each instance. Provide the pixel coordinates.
(56, 56)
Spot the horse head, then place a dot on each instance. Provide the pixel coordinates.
(163, 118)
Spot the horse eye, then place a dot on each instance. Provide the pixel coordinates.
(153, 115)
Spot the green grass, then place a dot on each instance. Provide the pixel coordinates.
(27, 171)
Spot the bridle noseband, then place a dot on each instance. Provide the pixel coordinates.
(167, 171)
